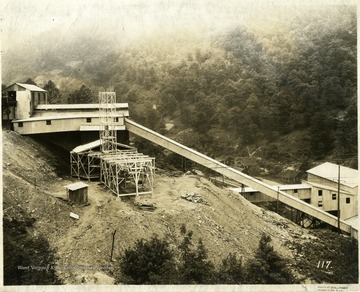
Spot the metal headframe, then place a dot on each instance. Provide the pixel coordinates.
(108, 121)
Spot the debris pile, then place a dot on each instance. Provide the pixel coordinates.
(147, 206)
(195, 199)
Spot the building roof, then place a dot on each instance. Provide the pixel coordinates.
(63, 117)
(246, 161)
(290, 173)
(327, 170)
(77, 106)
(30, 87)
(76, 186)
(87, 147)
(245, 190)
(294, 187)
(96, 144)
(353, 221)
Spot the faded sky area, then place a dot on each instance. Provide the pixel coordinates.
(127, 19)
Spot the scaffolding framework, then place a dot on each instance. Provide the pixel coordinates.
(85, 165)
(125, 172)
(128, 173)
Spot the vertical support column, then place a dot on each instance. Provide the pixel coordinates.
(117, 180)
(78, 164)
(107, 112)
(89, 167)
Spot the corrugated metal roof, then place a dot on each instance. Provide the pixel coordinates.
(77, 106)
(76, 186)
(31, 87)
(281, 188)
(294, 187)
(65, 117)
(87, 147)
(348, 176)
(246, 190)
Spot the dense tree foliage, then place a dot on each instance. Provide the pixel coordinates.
(30, 81)
(53, 93)
(28, 260)
(154, 262)
(268, 267)
(83, 95)
(149, 262)
(195, 268)
(231, 271)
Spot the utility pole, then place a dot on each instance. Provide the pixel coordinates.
(112, 246)
(338, 201)
(277, 200)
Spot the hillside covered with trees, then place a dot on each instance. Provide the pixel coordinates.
(282, 87)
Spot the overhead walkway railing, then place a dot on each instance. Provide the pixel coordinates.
(236, 175)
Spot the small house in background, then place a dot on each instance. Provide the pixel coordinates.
(291, 176)
(77, 193)
(247, 165)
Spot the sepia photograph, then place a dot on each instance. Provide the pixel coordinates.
(177, 145)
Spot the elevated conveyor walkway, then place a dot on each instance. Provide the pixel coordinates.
(237, 175)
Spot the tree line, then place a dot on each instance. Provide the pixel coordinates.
(153, 261)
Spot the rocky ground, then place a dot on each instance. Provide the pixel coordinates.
(225, 221)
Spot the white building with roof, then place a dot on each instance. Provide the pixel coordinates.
(27, 97)
(320, 190)
(324, 181)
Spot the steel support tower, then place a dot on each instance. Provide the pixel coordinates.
(108, 121)
(124, 172)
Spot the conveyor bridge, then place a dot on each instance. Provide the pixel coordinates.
(237, 175)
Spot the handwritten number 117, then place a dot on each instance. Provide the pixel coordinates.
(323, 264)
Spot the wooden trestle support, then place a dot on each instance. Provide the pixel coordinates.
(124, 172)
(128, 173)
(85, 165)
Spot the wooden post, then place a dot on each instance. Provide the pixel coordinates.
(277, 200)
(112, 246)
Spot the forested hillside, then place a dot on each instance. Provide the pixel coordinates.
(283, 85)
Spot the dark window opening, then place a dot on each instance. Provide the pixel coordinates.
(334, 196)
(347, 200)
(20, 124)
(88, 120)
(333, 212)
(320, 204)
(116, 119)
(48, 122)
(295, 191)
(320, 192)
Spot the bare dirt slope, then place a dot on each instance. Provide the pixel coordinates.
(225, 221)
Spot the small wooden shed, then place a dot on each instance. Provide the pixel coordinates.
(77, 193)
